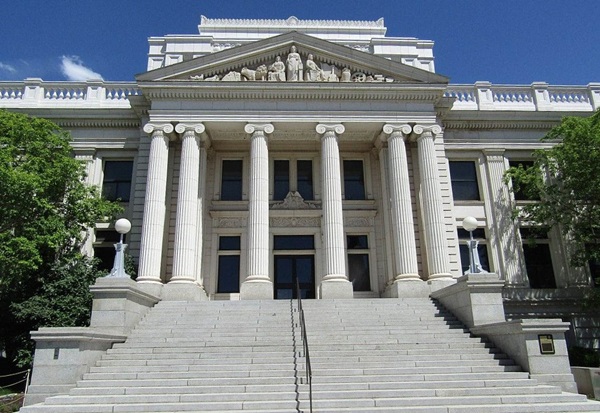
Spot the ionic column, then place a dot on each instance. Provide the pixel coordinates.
(335, 282)
(187, 224)
(258, 285)
(403, 229)
(153, 223)
(431, 199)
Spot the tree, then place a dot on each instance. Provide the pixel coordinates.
(45, 209)
(565, 179)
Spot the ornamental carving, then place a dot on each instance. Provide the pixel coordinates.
(230, 223)
(358, 222)
(287, 222)
(293, 68)
(293, 200)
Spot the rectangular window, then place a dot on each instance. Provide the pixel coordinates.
(354, 180)
(479, 235)
(538, 259)
(520, 195)
(305, 179)
(463, 175)
(294, 242)
(231, 180)
(281, 178)
(228, 280)
(358, 262)
(116, 184)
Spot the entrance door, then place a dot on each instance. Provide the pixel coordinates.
(288, 269)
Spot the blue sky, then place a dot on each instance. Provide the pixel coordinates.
(505, 42)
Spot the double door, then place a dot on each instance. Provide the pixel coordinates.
(292, 268)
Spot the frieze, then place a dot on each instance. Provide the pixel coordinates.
(230, 223)
(358, 222)
(295, 222)
(294, 68)
(293, 200)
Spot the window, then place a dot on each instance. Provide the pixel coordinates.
(358, 262)
(228, 276)
(294, 242)
(354, 180)
(116, 184)
(104, 249)
(538, 259)
(463, 175)
(231, 180)
(479, 235)
(520, 195)
(292, 175)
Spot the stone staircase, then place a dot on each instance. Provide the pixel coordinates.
(376, 355)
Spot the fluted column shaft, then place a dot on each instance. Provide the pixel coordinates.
(258, 205)
(154, 205)
(431, 198)
(403, 229)
(333, 219)
(187, 224)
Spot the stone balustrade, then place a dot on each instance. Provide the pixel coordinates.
(539, 96)
(93, 93)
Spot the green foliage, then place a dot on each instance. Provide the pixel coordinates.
(566, 180)
(44, 209)
(584, 357)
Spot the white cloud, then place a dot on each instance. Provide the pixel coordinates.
(73, 69)
(8, 68)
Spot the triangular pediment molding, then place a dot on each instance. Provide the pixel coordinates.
(273, 60)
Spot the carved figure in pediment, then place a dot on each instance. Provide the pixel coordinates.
(313, 73)
(277, 71)
(294, 66)
(259, 74)
(214, 78)
(232, 77)
(197, 77)
(346, 74)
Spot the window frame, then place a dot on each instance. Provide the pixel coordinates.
(292, 175)
(368, 252)
(103, 182)
(476, 180)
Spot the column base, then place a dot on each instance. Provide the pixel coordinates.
(336, 289)
(154, 288)
(439, 283)
(183, 291)
(256, 290)
(407, 289)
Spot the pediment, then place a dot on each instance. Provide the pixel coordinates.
(274, 60)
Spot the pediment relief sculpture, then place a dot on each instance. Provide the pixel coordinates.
(292, 68)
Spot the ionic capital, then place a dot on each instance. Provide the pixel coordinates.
(197, 128)
(338, 129)
(427, 130)
(163, 128)
(394, 130)
(253, 128)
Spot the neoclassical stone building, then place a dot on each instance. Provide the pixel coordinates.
(260, 152)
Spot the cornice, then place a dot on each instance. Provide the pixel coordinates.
(498, 124)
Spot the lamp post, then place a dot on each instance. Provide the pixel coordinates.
(470, 224)
(122, 226)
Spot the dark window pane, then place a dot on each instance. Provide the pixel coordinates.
(116, 184)
(305, 179)
(281, 175)
(463, 175)
(464, 256)
(354, 180)
(478, 233)
(294, 242)
(358, 272)
(108, 235)
(106, 256)
(229, 243)
(538, 262)
(231, 180)
(357, 242)
(229, 274)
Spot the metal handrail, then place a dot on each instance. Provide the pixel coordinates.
(305, 344)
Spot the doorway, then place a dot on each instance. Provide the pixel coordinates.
(288, 269)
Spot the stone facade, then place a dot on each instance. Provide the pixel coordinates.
(267, 151)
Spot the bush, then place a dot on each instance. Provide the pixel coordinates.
(584, 357)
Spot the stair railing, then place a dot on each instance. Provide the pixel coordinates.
(305, 345)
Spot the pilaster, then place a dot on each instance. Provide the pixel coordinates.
(151, 244)
(258, 285)
(335, 283)
(431, 200)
